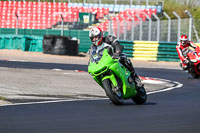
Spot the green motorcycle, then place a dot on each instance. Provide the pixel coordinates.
(114, 78)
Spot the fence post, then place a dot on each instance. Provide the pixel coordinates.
(149, 32)
(169, 26)
(131, 3)
(141, 23)
(110, 25)
(118, 26)
(17, 23)
(133, 27)
(115, 6)
(147, 3)
(125, 27)
(179, 25)
(62, 29)
(158, 27)
(190, 24)
(196, 33)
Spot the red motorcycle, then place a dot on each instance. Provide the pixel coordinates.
(194, 63)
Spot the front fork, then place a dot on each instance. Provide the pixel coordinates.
(112, 79)
(114, 84)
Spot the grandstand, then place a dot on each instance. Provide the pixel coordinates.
(43, 15)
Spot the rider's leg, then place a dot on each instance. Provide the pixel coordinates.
(127, 63)
(184, 66)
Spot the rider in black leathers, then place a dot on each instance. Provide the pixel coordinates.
(96, 36)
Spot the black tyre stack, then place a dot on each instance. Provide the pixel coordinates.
(60, 45)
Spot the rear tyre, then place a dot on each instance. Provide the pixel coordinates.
(192, 71)
(115, 97)
(194, 75)
(141, 96)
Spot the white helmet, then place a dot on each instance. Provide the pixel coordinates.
(96, 35)
(183, 39)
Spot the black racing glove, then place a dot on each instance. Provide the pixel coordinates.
(115, 56)
(185, 61)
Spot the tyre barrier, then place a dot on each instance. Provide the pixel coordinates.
(24, 43)
(59, 45)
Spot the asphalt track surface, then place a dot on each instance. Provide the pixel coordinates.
(175, 111)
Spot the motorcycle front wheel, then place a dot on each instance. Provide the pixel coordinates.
(115, 97)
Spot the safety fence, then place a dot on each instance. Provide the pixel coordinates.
(152, 30)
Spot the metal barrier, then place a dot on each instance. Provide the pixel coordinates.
(151, 50)
(145, 50)
(167, 51)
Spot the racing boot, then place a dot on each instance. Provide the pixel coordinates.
(136, 79)
(184, 66)
(127, 63)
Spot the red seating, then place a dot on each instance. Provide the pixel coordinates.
(44, 14)
(36, 15)
(41, 14)
(126, 17)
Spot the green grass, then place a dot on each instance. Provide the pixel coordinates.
(170, 6)
(2, 98)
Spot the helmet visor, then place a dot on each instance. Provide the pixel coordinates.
(183, 42)
(96, 38)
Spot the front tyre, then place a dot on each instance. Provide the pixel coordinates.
(141, 96)
(115, 97)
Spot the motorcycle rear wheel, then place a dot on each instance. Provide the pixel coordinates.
(194, 75)
(108, 87)
(192, 71)
(141, 96)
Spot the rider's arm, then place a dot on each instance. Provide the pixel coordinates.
(193, 45)
(89, 51)
(114, 42)
(178, 49)
(197, 48)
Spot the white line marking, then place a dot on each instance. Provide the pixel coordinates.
(18, 60)
(152, 82)
(56, 69)
(167, 89)
(157, 67)
(56, 101)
